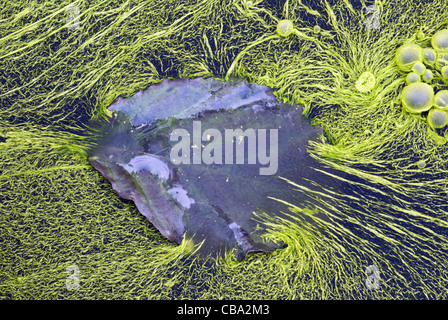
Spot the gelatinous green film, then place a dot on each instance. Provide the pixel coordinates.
(373, 75)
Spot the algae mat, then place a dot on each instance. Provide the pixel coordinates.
(379, 232)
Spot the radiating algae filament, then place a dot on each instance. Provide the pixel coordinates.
(284, 29)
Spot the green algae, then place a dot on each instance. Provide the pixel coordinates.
(56, 210)
(408, 55)
(284, 28)
(366, 82)
(417, 97)
(412, 78)
(437, 118)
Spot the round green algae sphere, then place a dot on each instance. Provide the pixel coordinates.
(442, 60)
(427, 76)
(444, 72)
(412, 77)
(417, 97)
(439, 40)
(429, 56)
(419, 68)
(437, 118)
(366, 82)
(441, 99)
(407, 55)
(284, 28)
(421, 164)
(316, 29)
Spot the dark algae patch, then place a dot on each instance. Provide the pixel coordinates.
(234, 146)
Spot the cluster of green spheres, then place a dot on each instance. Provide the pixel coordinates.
(418, 95)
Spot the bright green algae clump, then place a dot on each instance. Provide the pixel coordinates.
(285, 28)
(366, 82)
(419, 97)
(388, 208)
